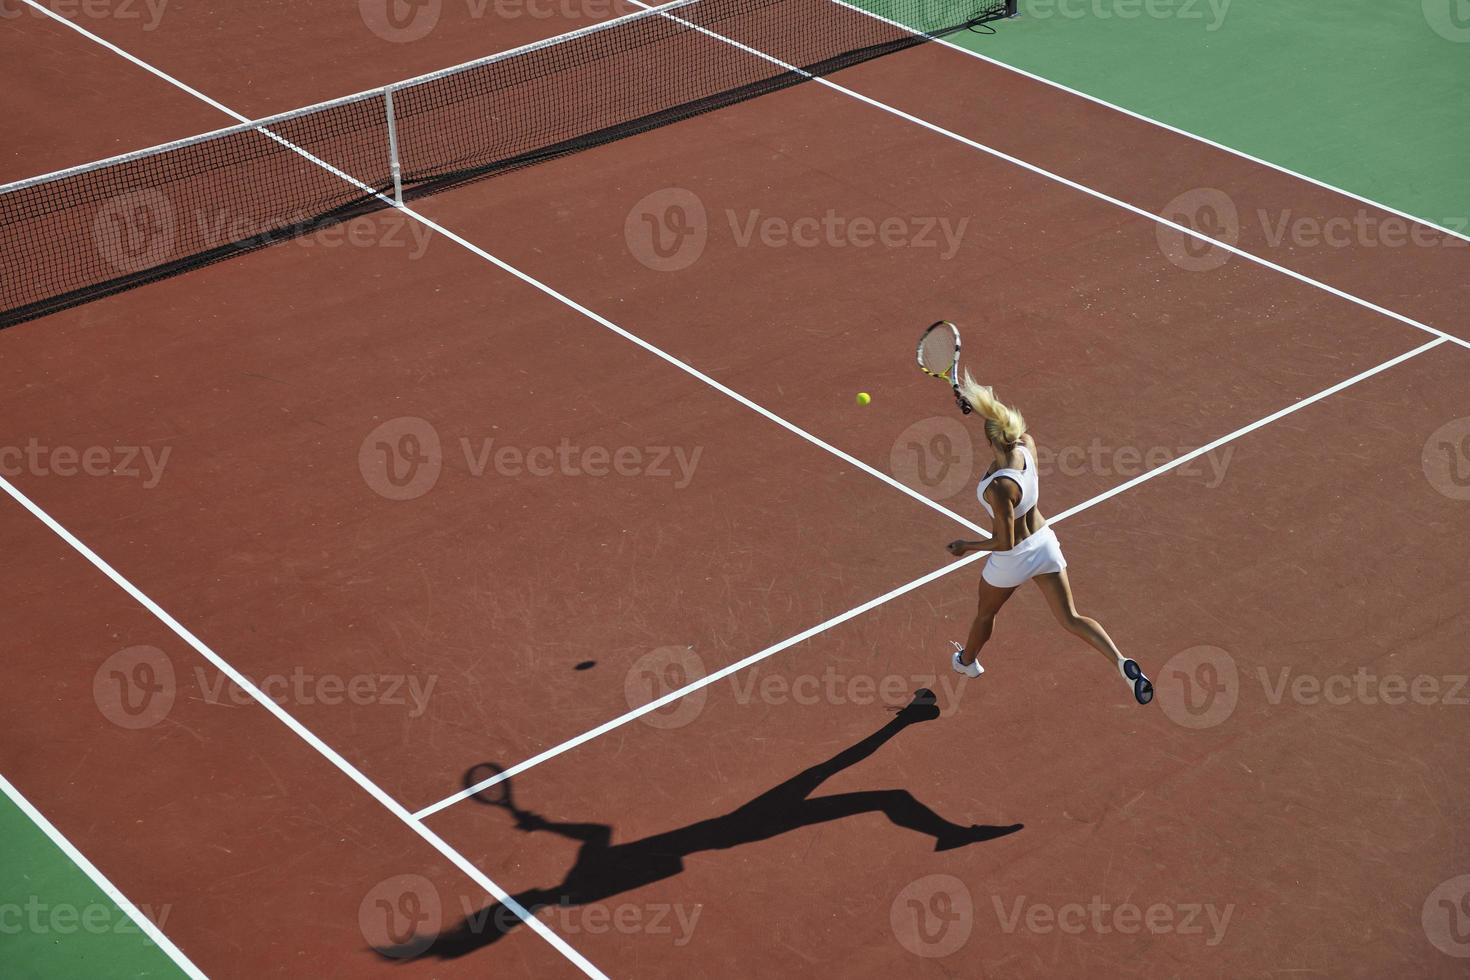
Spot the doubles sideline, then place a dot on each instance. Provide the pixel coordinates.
(838, 620)
(414, 821)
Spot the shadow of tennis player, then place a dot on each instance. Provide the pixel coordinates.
(603, 869)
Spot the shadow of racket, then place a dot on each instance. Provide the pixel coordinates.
(499, 794)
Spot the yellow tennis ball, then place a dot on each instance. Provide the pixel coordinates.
(864, 398)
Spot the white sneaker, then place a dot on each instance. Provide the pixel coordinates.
(969, 670)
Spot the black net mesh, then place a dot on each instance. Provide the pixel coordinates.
(107, 228)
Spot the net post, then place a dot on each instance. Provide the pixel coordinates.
(394, 163)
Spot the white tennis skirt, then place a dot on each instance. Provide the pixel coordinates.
(1037, 555)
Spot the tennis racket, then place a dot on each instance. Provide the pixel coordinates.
(939, 357)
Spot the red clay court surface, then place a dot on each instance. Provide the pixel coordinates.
(75, 101)
(782, 820)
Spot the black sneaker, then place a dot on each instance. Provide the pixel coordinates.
(1143, 688)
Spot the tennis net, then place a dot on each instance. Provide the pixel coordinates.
(84, 233)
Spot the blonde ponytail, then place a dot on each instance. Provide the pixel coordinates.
(1002, 423)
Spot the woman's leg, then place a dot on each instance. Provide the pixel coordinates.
(1058, 592)
(991, 599)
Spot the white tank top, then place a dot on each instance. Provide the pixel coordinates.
(1025, 478)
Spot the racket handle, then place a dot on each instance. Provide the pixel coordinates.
(526, 820)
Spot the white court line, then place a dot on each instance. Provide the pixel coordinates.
(556, 294)
(1233, 151)
(100, 880)
(1244, 430)
(321, 747)
(703, 682)
(754, 658)
(306, 735)
(412, 820)
(293, 114)
(1064, 181)
(908, 117)
(693, 371)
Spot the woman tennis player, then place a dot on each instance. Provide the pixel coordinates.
(1022, 547)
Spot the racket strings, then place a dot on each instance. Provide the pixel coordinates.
(938, 353)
